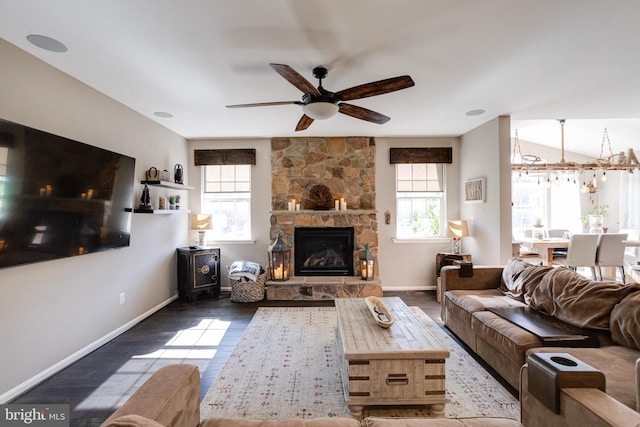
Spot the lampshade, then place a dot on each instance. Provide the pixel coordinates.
(457, 228)
(320, 110)
(201, 222)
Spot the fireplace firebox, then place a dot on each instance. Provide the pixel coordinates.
(323, 251)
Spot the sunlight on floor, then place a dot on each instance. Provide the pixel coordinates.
(196, 345)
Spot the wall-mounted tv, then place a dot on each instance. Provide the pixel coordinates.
(60, 197)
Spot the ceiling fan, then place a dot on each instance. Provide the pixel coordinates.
(319, 103)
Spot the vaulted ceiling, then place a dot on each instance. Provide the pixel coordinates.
(535, 60)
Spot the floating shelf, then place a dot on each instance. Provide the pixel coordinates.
(157, 211)
(167, 184)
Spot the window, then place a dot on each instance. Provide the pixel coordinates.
(227, 198)
(420, 200)
(552, 197)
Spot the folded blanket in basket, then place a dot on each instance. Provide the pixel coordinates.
(245, 270)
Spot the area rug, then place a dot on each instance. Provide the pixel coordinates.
(286, 365)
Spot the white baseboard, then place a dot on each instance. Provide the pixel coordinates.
(408, 288)
(43, 375)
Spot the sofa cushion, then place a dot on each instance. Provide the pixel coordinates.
(625, 322)
(133, 420)
(567, 296)
(440, 422)
(246, 422)
(470, 301)
(507, 338)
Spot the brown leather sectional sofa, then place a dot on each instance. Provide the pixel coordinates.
(609, 311)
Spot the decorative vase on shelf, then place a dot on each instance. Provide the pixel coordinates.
(595, 223)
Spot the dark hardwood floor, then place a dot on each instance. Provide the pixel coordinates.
(100, 382)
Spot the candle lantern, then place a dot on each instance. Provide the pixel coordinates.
(279, 259)
(367, 264)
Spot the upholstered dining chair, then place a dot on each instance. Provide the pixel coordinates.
(610, 252)
(558, 233)
(581, 253)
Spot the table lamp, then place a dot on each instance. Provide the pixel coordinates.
(456, 229)
(201, 223)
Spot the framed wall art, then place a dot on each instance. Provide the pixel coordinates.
(474, 190)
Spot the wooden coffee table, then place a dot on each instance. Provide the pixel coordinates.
(401, 365)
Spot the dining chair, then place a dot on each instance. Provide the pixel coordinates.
(581, 253)
(558, 233)
(526, 252)
(610, 252)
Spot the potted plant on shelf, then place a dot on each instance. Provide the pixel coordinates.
(594, 219)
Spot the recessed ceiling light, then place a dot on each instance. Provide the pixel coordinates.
(472, 113)
(163, 114)
(47, 43)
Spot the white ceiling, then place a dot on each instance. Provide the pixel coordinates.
(536, 60)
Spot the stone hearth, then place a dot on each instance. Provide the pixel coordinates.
(322, 288)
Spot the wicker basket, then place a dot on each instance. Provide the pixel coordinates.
(243, 291)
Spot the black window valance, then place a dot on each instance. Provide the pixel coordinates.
(421, 155)
(236, 156)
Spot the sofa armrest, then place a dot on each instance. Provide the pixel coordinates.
(578, 407)
(170, 397)
(484, 277)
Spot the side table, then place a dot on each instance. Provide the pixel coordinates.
(447, 258)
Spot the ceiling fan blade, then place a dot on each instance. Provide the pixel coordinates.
(305, 122)
(363, 113)
(264, 104)
(293, 77)
(375, 88)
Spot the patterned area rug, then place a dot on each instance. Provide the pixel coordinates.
(286, 365)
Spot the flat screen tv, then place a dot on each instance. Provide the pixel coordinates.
(59, 197)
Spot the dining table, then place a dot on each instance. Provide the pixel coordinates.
(545, 247)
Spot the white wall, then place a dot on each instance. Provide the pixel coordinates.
(260, 201)
(485, 153)
(53, 312)
(410, 265)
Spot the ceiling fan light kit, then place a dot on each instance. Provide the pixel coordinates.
(320, 110)
(321, 104)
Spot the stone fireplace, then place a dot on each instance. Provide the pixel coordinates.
(346, 166)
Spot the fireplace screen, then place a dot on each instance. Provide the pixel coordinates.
(323, 251)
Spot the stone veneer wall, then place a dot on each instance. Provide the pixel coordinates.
(344, 164)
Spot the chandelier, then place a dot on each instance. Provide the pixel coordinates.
(531, 162)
